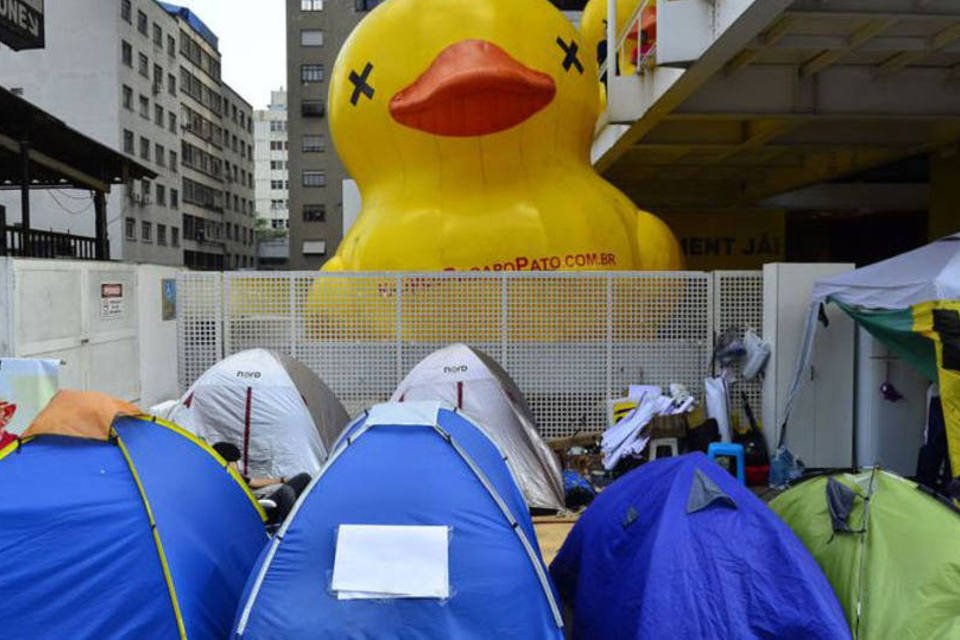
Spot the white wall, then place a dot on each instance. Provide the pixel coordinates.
(157, 338)
(54, 309)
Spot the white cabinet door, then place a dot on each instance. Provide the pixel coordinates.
(820, 428)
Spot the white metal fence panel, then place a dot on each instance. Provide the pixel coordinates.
(199, 324)
(572, 341)
(738, 304)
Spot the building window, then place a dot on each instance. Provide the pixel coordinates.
(311, 5)
(314, 144)
(172, 84)
(145, 107)
(174, 237)
(171, 46)
(365, 5)
(142, 22)
(311, 73)
(158, 115)
(278, 126)
(125, 10)
(160, 155)
(131, 228)
(146, 231)
(162, 234)
(314, 247)
(143, 65)
(157, 35)
(161, 200)
(144, 148)
(311, 37)
(127, 98)
(157, 79)
(174, 199)
(128, 142)
(312, 108)
(173, 161)
(276, 145)
(127, 53)
(314, 178)
(172, 118)
(314, 213)
(276, 185)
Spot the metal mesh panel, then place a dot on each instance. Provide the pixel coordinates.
(199, 307)
(739, 304)
(572, 341)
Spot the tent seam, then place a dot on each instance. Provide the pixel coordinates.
(171, 588)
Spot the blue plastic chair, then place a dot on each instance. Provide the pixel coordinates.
(729, 450)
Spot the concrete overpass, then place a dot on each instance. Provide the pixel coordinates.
(746, 100)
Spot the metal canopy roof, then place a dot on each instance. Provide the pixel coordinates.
(794, 93)
(59, 155)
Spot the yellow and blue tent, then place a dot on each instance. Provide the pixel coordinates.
(910, 303)
(117, 525)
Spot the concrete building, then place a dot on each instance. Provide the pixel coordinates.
(144, 78)
(316, 29)
(272, 180)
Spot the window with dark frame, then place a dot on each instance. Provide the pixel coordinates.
(314, 213)
(311, 73)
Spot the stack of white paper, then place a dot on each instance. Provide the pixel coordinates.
(386, 562)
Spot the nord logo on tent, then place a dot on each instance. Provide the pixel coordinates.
(461, 369)
(248, 374)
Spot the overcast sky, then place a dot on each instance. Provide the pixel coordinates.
(252, 41)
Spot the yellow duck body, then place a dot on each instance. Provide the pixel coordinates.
(467, 125)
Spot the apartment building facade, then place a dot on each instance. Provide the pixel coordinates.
(143, 77)
(272, 182)
(316, 29)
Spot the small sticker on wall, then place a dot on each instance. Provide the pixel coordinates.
(168, 292)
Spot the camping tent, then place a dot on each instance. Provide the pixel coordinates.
(116, 526)
(279, 413)
(895, 559)
(910, 303)
(679, 549)
(473, 382)
(415, 528)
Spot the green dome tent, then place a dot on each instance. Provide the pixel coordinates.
(893, 560)
(910, 303)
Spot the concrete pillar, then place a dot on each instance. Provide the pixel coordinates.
(944, 194)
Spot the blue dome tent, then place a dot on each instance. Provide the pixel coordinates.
(113, 525)
(679, 549)
(415, 528)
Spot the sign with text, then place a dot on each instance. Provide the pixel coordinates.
(111, 301)
(21, 24)
(730, 240)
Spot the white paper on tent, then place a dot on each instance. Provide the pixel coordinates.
(388, 562)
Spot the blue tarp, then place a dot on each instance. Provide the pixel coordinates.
(78, 554)
(679, 549)
(194, 21)
(403, 473)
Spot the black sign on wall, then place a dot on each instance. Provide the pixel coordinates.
(21, 24)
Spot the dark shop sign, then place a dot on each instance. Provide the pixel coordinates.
(21, 24)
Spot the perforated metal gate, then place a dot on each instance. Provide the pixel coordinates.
(572, 341)
(738, 304)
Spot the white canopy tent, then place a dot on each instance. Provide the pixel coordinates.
(474, 383)
(927, 274)
(279, 413)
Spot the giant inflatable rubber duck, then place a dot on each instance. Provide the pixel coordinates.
(467, 125)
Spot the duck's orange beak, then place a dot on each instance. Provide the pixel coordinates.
(473, 88)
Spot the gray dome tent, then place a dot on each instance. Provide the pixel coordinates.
(472, 381)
